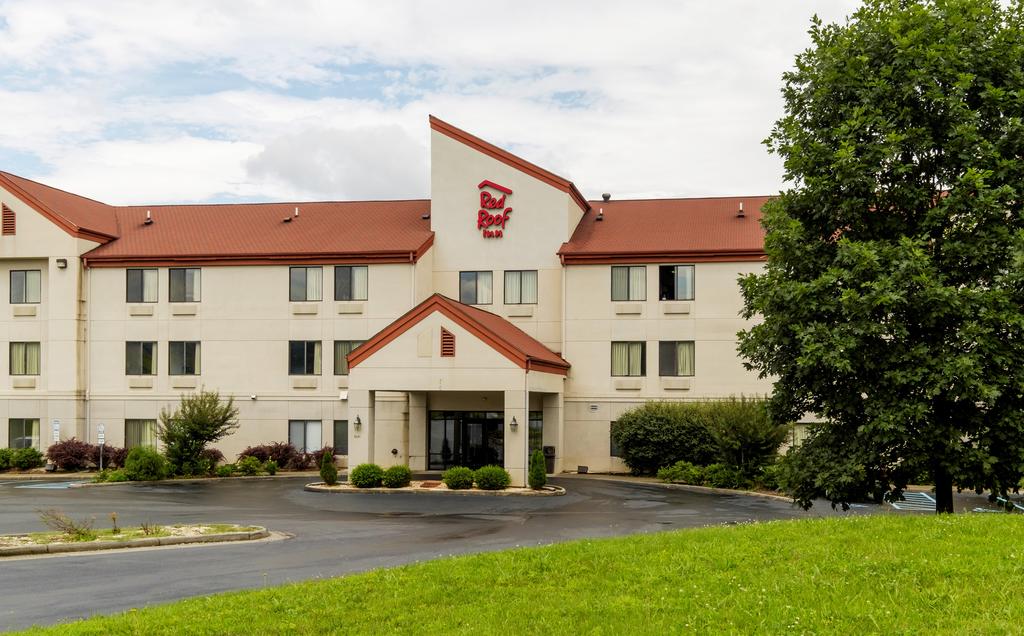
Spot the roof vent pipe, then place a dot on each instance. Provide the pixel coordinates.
(600, 214)
(149, 218)
(606, 196)
(739, 213)
(296, 212)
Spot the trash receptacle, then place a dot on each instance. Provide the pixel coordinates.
(549, 459)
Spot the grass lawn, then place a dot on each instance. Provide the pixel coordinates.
(882, 574)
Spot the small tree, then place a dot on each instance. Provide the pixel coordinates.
(200, 419)
(328, 472)
(538, 476)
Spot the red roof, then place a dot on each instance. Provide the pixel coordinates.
(664, 230)
(377, 231)
(75, 214)
(509, 340)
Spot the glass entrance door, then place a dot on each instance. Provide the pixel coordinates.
(466, 438)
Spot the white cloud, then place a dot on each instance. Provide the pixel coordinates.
(676, 96)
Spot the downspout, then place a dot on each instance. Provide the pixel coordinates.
(88, 350)
(526, 416)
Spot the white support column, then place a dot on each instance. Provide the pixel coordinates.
(554, 429)
(360, 427)
(516, 441)
(417, 430)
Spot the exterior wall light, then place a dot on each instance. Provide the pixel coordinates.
(62, 263)
(514, 425)
(358, 423)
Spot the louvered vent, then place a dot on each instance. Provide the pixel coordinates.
(8, 221)
(447, 343)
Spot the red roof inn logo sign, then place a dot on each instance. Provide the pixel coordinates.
(493, 214)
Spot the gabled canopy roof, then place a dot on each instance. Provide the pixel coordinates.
(665, 230)
(77, 215)
(507, 339)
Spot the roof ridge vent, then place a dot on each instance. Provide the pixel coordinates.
(607, 196)
(149, 218)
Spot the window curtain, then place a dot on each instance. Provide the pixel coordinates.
(341, 350)
(638, 283)
(297, 434)
(314, 435)
(314, 283)
(32, 286)
(636, 350)
(149, 285)
(685, 358)
(513, 290)
(620, 358)
(620, 283)
(359, 283)
(529, 287)
(192, 283)
(684, 282)
(484, 285)
(140, 433)
(24, 358)
(316, 358)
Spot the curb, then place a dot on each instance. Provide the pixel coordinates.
(193, 480)
(549, 491)
(148, 542)
(707, 490)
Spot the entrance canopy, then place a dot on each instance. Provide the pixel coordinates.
(444, 345)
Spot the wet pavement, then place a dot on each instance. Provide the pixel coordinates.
(330, 534)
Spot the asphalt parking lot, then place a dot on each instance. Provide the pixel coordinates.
(330, 534)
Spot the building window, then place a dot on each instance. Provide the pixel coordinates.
(341, 437)
(24, 358)
(305, 283)
(350, 282)
(25, 286)
(341, 349)
(183, 357)
(184, 283)
(23, 433)
(304, 357)
(675, 282)
(675, 358)
(140, 358)
(304, 435)
(521, 287)
(475, 288)
(139, 433)
(629, 282)
(613, 447)
(629, 358)
(141, 285)
(536, 440)
(8, 221)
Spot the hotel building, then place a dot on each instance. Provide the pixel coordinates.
(504, 313)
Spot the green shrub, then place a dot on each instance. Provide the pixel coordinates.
(397, 477)
(768, 477)
(492, 478)
(270, 466)
(26, 459)
(225, 470)
(101, 476)
(659, 434)
(682, 473)
(200, 419)
(145, 464)
(328, 471)
(746, 437)
(249, 466)
(366, 476)
(458, 478)
(724, 476)
(118, 475)
(6, 454)
(538, 476)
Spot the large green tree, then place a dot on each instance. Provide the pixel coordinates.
(893, 296)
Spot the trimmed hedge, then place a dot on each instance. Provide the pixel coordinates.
(397, 477)
(328, 471)
(26, 459)
(538, 476)
(249, 466)
(366, 476)
(6, 454)
(145, 464)
(492, 478)
(458, 478)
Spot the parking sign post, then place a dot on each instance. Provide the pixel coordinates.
(100, 439)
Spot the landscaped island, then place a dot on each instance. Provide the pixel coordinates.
(880, 573)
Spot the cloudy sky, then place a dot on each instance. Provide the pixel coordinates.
(179, 101)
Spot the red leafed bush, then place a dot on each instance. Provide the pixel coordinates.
(70, 454)
(317, 457)
(286, 455)
(113, 457)
(213, 455)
